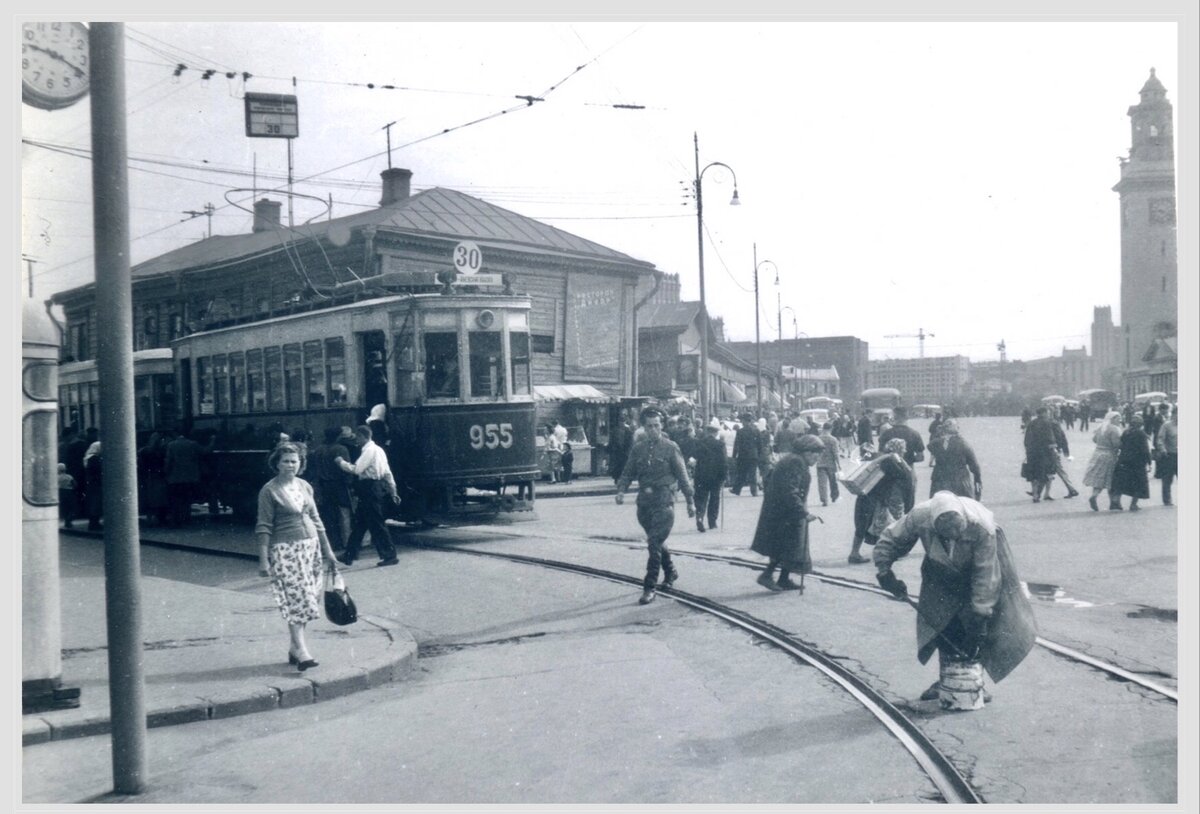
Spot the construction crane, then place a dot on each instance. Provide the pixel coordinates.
(1003, 349)
(920, 334)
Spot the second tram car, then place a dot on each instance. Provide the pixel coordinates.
(154, 399)
(453, 370)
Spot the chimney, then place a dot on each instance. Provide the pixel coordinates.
(266, 215)
(395, 186)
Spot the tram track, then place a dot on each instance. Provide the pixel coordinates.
(953, 787)
(1063, 651)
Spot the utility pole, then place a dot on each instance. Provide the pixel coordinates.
(208, 210)
(114, 361)
(757, 340)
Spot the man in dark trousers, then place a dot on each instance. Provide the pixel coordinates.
(709, 454)
(331, 487)
(374, 487)
(866, 433)
(746, 446)
(657, 465)
(914, 447)
(1061, 455)
(182, 470)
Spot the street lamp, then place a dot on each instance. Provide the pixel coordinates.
(757, 312)
(704, 401)
(795, 336)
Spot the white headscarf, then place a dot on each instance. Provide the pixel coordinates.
(94, 449)
(1114, 418)
(377, 412)
(972, 511)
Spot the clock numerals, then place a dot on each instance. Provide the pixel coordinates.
(54, 60)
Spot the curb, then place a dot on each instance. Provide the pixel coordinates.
(373, 671)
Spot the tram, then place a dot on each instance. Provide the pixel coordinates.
(154, 400)
(453, 370)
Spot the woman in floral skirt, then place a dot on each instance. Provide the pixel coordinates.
(293, 548)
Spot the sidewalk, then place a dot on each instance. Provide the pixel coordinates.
(208, 652)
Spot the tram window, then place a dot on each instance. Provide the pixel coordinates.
(441, 365)
(39, 476)
(237, 382)
(314, 373)
(143, 403)
(38, 380)
(204, 394)
(518, 349)
(335, 370)
(165, 410)
(256, 384)
(220, 367)
(273, 364)
(292, 377)
(407, 389)
(487, 364)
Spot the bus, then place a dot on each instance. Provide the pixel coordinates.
(453, 370)
(1098, 402)
(924, 410)
(880, 403)
(827, 403)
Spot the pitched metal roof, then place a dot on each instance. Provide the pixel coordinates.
(435, 212)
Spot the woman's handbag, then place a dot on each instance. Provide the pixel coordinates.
(339, 606)
(1025, 470)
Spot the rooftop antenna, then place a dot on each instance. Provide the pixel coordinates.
(387, 128)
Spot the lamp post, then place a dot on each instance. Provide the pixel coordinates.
(795, 335)
(704, 400)
(757, 338)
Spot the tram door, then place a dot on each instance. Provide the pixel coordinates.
(185, 395)
(374, 357)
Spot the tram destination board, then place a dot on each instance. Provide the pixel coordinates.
(272, 115)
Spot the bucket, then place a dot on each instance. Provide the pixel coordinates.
(961, 685)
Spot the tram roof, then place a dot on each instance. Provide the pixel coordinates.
(436, 212)
(454, 301)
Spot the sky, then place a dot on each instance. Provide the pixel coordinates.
(950, 177)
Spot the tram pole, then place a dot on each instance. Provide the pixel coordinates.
(114, 362)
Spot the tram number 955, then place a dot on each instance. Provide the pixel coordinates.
(491, 436)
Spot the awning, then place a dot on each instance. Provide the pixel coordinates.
(564, 392)
(771, 399)
(731, 393)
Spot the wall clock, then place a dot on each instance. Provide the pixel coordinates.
(54, 64)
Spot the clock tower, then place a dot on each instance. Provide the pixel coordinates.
(1149, 265)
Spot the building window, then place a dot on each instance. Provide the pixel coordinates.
(543, 343)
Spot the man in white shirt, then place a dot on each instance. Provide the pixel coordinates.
(374, 486)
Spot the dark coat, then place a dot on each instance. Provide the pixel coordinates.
(955, 468)
(709, 453)
(782, 532)
(183, 460)
(914, 447)
(895, 493)
(976, 575)
(865, 431)
(746, 444)
(1130, 476)
(1040, 456)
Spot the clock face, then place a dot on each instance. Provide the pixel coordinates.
(54, 64)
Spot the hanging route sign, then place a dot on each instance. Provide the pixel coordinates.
(272, 115)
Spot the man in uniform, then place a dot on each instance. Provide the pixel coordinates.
(657, 465)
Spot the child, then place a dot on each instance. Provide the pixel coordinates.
(568, 461)
(66, 497)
